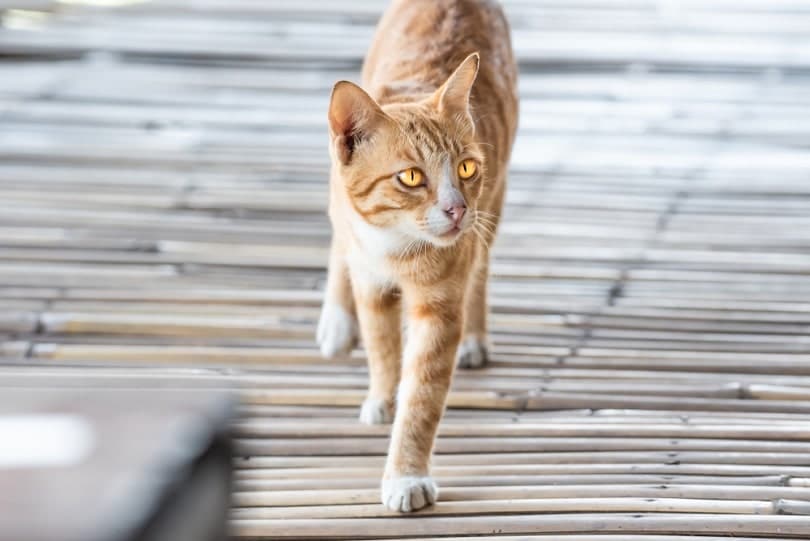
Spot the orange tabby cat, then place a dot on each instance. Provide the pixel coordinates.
(417, 185)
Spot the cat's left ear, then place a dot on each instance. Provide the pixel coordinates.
(453, 97)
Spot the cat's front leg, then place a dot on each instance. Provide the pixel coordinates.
(337, 327)
(378, 309)
(434, 331)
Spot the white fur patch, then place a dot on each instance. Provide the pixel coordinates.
(375, 412)
(472, 353)
(406, 494)
(337, 331)
(367, 257)
(376, 241)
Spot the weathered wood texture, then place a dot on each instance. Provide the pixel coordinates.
(162, 223)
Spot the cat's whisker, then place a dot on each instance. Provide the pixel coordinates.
(408, 248)
(486, 232)
(492, 224)
(480, 236)
(486, 219)
(485, 222)
(486, 229)
(467, 147)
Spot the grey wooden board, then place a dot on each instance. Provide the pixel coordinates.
(115, 463)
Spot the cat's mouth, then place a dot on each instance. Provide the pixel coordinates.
(451, 233)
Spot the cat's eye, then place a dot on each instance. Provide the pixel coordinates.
(467, 168)
(411, 177)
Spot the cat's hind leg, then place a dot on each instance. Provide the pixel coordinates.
(473, 351)
(337, 328)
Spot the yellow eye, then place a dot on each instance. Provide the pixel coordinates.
(411, 177)
(467, 169)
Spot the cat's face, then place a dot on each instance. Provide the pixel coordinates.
(413, 171)
(419, 176)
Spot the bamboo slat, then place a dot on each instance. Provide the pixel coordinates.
(515, 506)
(260, 500)
(507, 480)
(524, 524)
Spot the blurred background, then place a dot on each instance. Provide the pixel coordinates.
(163, 244)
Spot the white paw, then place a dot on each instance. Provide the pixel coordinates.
(337, 331)
(406, 494)
(375, 412)
(472, 353)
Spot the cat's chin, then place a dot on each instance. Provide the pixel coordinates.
(446, 239)
(445, 242)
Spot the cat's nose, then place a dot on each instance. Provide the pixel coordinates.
(456, 213)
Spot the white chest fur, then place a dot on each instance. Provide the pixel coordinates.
(369, 250)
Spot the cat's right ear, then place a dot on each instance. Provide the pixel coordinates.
(353, 116)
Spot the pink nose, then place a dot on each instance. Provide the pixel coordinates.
(456, 213)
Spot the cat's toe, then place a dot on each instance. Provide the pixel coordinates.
(472, 353)
(406, 494)
(375, 412)
(337, 331)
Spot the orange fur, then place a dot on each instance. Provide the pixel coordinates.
(430, 103)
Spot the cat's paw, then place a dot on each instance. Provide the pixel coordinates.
(406, 494)
(337, 331)
(472, 353)
(375, 412)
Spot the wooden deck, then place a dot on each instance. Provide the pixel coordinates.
(162, 220)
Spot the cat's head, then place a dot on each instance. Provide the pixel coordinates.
(412, 171)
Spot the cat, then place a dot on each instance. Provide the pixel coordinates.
(418, 176)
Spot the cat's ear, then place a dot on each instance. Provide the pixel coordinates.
(453, 97)
(353, 116)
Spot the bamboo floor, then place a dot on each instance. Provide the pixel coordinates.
(162, 224)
